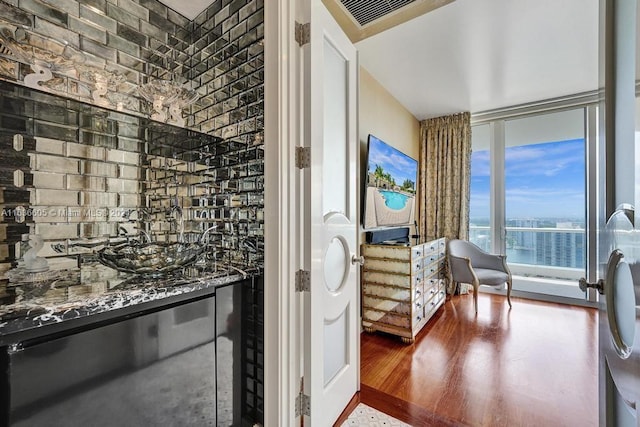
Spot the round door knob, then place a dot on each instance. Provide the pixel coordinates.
(357, 259)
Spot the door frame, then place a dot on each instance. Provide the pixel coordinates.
(281, 317)
(283, 128)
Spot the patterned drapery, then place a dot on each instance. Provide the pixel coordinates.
(445, 169)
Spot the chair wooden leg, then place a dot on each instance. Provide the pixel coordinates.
(509, 284)
(475, 296)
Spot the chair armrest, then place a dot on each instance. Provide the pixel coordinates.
(490, 261)
(461, 270)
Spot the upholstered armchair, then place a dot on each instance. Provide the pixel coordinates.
(470, 264)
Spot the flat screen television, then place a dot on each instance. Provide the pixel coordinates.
(390, 186)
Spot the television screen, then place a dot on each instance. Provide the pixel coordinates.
(389, 196)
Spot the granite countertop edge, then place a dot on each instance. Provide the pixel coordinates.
(114, 303)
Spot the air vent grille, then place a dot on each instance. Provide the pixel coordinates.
(365, 11)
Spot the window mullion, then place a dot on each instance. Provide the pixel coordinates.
(498, 229)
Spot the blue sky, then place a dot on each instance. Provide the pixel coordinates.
(399, 165)
(541, 181)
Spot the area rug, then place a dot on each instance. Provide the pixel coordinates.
(366, 416)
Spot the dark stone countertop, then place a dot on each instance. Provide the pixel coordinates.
(38, 304)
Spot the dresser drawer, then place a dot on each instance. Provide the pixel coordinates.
(416, 279)
(432, 305)
(390, 306)
(432, 270)
(416, 266)
(418, 292)
(431, 287)
(433, 260)
(430, 259)
(400, 294)
(435, 246)
(399, 253)
(401, 280)
(392, 319)
(386, 265)
(417, 252)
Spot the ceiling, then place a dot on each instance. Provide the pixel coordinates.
(473, 55)
(478, 55)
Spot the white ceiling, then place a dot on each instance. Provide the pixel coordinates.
(188, 8)
(478, 55)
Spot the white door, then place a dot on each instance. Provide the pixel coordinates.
(331, 308)
(619, 236)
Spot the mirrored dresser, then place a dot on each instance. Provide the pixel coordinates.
(402, 287)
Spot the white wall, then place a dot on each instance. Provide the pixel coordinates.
(383, 116)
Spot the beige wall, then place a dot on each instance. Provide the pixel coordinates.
(383, 116)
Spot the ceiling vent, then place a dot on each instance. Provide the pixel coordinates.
(364, 18)
(366, 11)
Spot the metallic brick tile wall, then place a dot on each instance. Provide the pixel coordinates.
(228, 69)
(138, 39)
(220, 54)
(74, 173)
(78, 175)
(228, 38)
(99, 164)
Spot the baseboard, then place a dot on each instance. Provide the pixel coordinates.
(540, 297)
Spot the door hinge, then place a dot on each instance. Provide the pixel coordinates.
(303, 281)
(303, 405)
(303, 33)
(303, 157)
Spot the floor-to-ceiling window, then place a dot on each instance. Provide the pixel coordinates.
(529, 180)
(480, 187)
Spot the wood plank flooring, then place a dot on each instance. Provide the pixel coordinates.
(533, 365)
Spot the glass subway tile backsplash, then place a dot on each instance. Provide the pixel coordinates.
(73, 189)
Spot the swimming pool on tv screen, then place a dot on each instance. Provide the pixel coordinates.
(394, 200)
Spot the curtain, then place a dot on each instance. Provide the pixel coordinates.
(443, 182)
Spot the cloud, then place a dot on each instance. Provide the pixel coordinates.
(541, 180)
(544, 202)
(394, 162)
(548, 159)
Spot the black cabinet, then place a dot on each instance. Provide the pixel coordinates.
(179, 366)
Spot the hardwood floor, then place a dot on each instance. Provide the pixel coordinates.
(533, 365)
